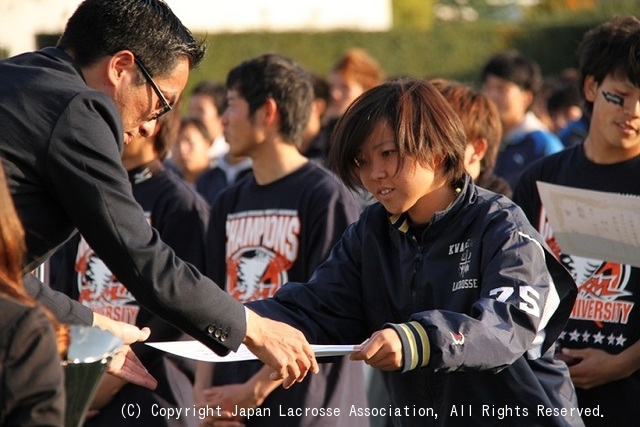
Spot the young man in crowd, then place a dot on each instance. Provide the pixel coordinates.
(273, 227)
(513, 81)
(602, 350)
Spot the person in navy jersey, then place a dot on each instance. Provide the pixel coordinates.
(275, 226)
(601, 341)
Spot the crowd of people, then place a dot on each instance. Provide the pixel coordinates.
(282, 207)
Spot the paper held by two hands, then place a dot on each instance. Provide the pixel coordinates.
(586, 223)
(197, 351)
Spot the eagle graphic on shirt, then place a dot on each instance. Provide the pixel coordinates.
(100, 290)
(601, 284)
(261, 247)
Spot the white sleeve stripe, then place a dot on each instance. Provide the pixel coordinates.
(551, 304)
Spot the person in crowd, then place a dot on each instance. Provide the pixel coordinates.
(564, 105)
(540, 101)
(190, 154)
(207, 103)
(103, 84)
(31, 377)
(601, 348)
(314, 126)
(512, 81)
(227, 170)
(450, 290)
(565, 109)
(481, 122)
(180, 216)
(577, 126)
(276, 226)
(352, 74)
(196, 151)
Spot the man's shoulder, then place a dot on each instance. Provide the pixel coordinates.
(49, 69)
(545, 142)
(543, 136)
(553, 163)
(322, 184)
(319, 175)
(176, 190)
(548, 169)
(45, 86)
(212, 174)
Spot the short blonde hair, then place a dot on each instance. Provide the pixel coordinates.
(358, 65)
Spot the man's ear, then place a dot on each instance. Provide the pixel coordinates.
(270, 111)
(480, 147)
(528, 98)
(320, 106)
(590, 88)
(121, 63)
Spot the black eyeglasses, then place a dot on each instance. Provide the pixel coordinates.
(166, 107)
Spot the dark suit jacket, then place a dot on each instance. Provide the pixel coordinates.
(61, 144)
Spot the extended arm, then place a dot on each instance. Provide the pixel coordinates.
(64, 308)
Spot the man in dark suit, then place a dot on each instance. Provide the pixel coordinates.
(66, 113)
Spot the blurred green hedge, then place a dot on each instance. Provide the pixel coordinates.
(455, 51)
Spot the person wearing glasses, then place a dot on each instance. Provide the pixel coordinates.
(180, 216)
(66, 112)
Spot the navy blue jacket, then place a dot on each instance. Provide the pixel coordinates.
(476, 298)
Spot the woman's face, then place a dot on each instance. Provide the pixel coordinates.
(412, 188)
(193, 150)
(343, 92)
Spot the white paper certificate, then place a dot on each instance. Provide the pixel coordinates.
(594, 224)
(197, 351)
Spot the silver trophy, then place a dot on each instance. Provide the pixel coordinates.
(90, 350)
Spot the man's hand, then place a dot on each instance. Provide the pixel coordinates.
(595, 367)
(382, 351)
(128, 333)
(281, 347)
(125, 364)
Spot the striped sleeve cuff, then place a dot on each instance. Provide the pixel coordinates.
(415, 344)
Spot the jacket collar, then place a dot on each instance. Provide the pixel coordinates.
(144, 172)
(401, 222)
(62, 56)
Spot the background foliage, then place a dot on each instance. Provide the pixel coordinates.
(448, 50)
(422, 44)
